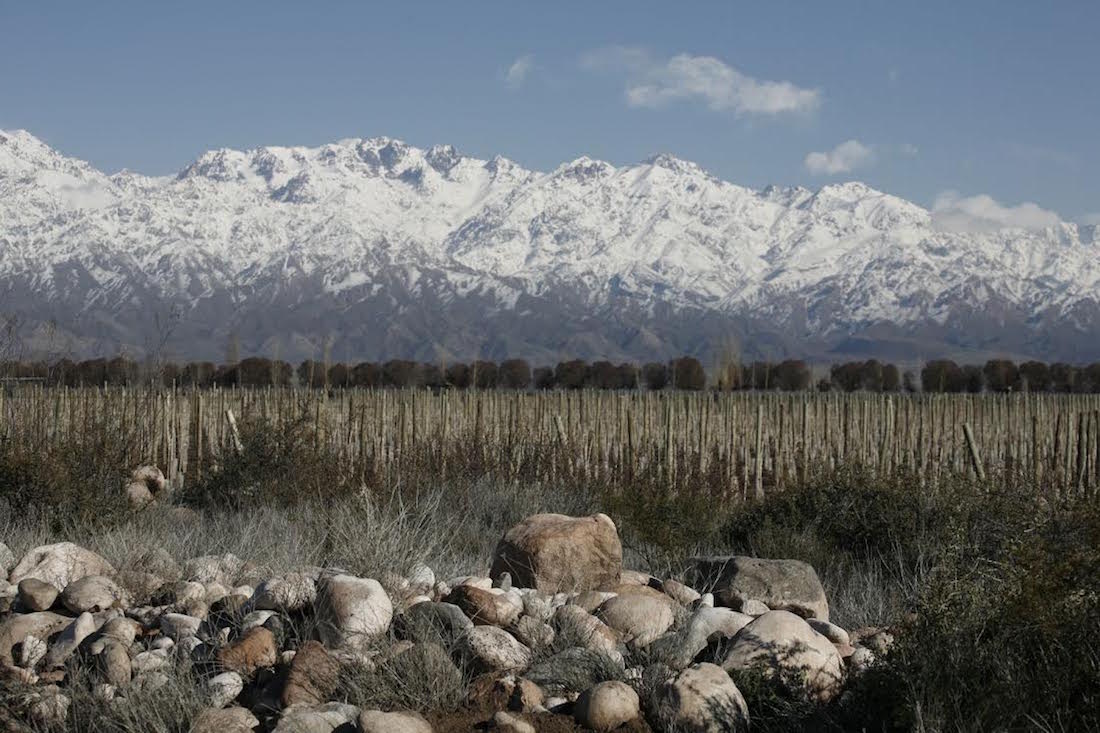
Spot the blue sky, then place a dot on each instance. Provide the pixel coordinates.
(981, 98)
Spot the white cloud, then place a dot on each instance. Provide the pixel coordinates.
(518, 72)
(655, 83)
(844, 158)
(956, 213)
(908, 149)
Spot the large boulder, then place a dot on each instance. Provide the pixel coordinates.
(352, 610)
(782, 585)
(606, 706)
(702, 699)
(553, 552)
(60, 564)
(783, 645)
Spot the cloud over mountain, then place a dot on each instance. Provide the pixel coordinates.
(844, 158)
(956, 213)
(653, 82)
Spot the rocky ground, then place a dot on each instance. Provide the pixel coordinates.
(555, 635)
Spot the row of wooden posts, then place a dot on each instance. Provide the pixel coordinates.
(742, 444)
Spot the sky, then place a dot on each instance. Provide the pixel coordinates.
(981, 109)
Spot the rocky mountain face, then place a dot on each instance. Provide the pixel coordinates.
(377, 249)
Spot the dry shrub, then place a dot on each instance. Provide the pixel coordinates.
(280, 465)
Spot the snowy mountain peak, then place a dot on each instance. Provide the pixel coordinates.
(585, 169)
(393, 250)
(672, 163)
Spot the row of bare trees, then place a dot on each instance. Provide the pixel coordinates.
(685, 373)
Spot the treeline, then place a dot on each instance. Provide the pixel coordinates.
(685, 373)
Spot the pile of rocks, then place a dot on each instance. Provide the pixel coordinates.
(555, 628)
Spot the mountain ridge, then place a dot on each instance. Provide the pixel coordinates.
(374, 248)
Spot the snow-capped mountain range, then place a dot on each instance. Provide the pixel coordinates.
(380, 250)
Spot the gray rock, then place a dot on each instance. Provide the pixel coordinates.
(224, 569)
(60, 564)
(641, 619)
(706, 626)
(32, 650)
(606, 706)
(92, 593)
(491, 649)
(352, 610)
(177, 626)
(702, 699)
(149, 661)
(69, 639)
(783, 645)
(830, 631)
(229, 720)
(317, 718)
(15, 628)
(223, 689)
(786, 585)
(376, 721)
(123, 630)
(37, 595)
(7, 561)
(432, 621)
(114, 664)
(286, 594)
(553, 552)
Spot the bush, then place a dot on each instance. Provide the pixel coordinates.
(281, 466)
(1004, 591)
(80, 483)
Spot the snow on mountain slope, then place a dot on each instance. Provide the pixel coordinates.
(383, 249)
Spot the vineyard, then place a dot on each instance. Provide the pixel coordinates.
(723, 445)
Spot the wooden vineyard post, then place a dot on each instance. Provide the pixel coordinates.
(198, 434)
(972, 448)
(758, 476)
(233, 432)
